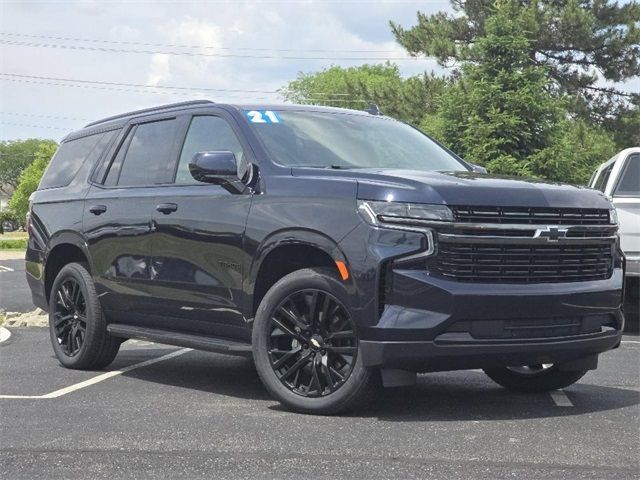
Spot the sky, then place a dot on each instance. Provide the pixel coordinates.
(234, 51)
(65, 63)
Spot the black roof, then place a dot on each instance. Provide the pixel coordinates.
(149, 110)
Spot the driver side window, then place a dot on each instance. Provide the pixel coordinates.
(206, 134)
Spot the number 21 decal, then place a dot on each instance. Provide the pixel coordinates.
(263, 116)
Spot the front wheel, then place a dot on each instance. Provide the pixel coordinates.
(306, 345)
(534, 378)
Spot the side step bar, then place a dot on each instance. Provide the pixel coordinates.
(198, 342)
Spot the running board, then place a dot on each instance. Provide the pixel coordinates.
(198, 342)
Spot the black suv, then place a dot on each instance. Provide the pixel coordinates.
(336, 247)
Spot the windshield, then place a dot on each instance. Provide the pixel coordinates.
(343, 140)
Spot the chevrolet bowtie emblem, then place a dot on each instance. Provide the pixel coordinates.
(552, 234)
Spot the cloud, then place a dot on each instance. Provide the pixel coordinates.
(237, 28)
(159, 70)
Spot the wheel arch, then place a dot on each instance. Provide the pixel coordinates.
(286, 251)
(64, 247)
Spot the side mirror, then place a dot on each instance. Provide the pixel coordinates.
(477, 168)
(219, 168)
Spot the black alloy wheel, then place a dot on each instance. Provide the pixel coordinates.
(70, 316)
(312, 343)
(77, 326)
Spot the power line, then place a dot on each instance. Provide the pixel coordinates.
(52, 117)
(174, 45)
(137, 88)
(34, 126)
(197, 54)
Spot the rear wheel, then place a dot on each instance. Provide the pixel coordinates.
(306, 348)
(76, 324)
(534, 378)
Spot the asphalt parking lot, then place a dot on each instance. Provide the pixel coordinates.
(164, 412)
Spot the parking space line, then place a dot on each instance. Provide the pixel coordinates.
(560, 399)
(5, 269)
(630, 341)
(99, 378)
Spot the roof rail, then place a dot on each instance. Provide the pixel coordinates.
(149, 110)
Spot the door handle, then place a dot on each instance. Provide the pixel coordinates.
(98, 209)
(167, 208)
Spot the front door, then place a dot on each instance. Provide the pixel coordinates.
(198, 239)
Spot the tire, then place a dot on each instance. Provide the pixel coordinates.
(545, 380)
(330, 349)
(78, 344)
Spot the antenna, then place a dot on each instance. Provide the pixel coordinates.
(373, 109)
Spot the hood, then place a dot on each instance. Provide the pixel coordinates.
(468, 188)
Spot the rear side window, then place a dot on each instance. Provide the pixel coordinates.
(629, 184)
(146, 158)
(71, 156)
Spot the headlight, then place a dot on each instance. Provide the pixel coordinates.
(613, 216)
(395, 213)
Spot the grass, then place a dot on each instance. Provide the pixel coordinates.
(13, 244)
(13, 241)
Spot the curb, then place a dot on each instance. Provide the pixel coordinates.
(4, 334)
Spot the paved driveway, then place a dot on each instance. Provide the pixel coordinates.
(188, 414)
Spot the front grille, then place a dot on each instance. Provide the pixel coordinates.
(532, 216)
(522, 263)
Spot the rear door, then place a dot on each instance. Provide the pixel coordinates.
(118, 212)
(198, 247)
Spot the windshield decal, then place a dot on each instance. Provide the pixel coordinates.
(263, 116)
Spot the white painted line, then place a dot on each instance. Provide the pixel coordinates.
(5, 269)
(560, 398)
(100, 378)
(4, 334)
(630, 341)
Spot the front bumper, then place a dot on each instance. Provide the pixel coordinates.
(460, 351)
(430, 324)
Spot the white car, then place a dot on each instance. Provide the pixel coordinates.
(619, 179)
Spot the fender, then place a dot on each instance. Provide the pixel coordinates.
(289, 236)
(67, 237)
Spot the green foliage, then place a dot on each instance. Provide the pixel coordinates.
(577, 41)
(29, 180)
(503, 109)
(574, 153)
(356, 87)
(506, 113)
(16, 155)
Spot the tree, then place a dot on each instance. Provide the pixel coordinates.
(408, 99)
(506, 114)
(29, 180)
(15, 156)
(579, 42)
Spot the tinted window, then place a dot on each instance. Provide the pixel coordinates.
(603, 179)
(148, 158)
(630, 181)
(70, 156)
(321, 139)
(114, 170)
(208, 134)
